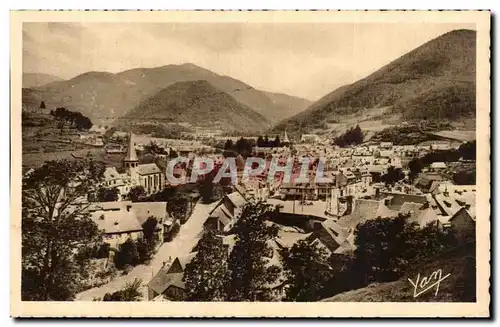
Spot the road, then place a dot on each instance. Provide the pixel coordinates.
(187, 238)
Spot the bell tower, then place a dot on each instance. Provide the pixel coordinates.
(131, 161)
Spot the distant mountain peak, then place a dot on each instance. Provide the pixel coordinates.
(434, 81)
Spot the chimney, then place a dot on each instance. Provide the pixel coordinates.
(129, 207)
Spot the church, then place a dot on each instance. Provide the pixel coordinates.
(149, 176)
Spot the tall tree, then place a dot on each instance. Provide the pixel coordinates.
(206, 274)
(415, 166)
(137, 193)
(56, 228)
(277, 142)
(307, 270)
(251, 274)
(42, 105)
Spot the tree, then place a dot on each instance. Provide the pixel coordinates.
(145, 250)
(127, 254)
(277, 142)
(206, 274)
(464, 177)
(248, 264)
(260, 141)
(131, 292)
(350, 137)
(416, 167)
(393, 175)
(137, 193)
(468, 150)
(42, 105)
(386, 247)
(107, 194)
(56, 229)
(228, 145)
(306, 270)
(149, 228)
(178, 206)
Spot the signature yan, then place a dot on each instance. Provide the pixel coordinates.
(420, 286)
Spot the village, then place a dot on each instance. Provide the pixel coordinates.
(363, 182)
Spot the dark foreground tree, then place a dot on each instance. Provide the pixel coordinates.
(386, 247)
(206, 274)
(56, 229)
(251, 275)
(307, 270)
(131, 292)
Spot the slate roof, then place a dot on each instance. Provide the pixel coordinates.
(146, 169)
(144, 210)
(162, 280)
(112, 222)
(365, 210)
(423, 217)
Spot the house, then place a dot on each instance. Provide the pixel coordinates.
(437, 166)
(464, 223)
(364, 210)
(168, 281)
(112, 179)
(328, 235)
(224, 215)
(120, 221)
(386, 145)
(117, 226)
(309, 138)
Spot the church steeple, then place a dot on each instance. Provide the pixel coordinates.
(131, 161)
(131, 155)
(285, 138)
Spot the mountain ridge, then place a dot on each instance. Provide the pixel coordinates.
(444, 65)
(197, 103)
(107, 96)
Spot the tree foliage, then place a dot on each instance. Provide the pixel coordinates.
(307, 270)
(131, 292)
(127, 254)
(393, 175)
(56, 228)
(250, 272)
(352, 136)
(386, 247)
(74, 118)
(206, 274)
(137, 193)
(105, 194)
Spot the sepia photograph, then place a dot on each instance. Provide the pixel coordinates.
(289, 164)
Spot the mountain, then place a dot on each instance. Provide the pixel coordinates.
(198, 104)
(433, 82)
(37, 79)
(103, 95)
(287, 105)
(97, 95)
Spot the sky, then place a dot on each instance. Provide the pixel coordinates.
(305, 60)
